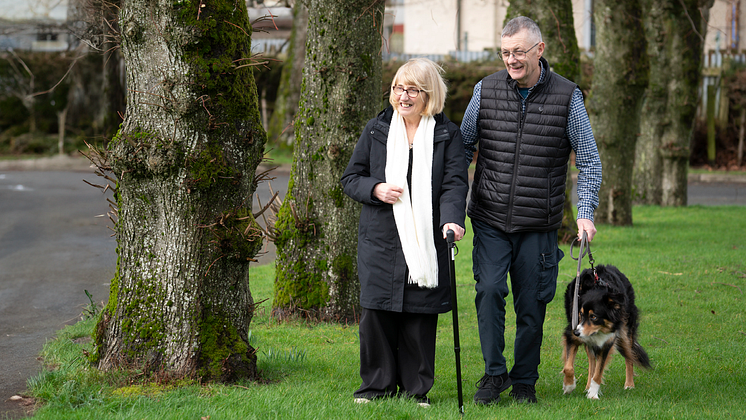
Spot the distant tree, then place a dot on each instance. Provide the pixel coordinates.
(96, 23)
(280, 131)
(20, 82)
(619, 80)
(675, 31)
(183, 164)
(38, 80)
(555, 20)
(316, 266)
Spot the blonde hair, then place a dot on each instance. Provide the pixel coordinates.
(427, 76)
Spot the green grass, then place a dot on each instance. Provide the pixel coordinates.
(279, 155)
(688, 267)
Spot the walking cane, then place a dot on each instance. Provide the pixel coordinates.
(453, 250)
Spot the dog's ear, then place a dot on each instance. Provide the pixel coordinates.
(587, 279)
(618, 300)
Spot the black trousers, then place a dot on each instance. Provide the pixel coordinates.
(397, 354)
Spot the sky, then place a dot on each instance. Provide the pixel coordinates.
(27, 9)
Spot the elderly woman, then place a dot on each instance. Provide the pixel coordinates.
(408, 171)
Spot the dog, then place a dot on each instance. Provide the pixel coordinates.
(607, 320)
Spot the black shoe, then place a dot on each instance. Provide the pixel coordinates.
(490, 388)
(523, 393)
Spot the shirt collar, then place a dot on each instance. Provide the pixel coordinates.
(541, 77)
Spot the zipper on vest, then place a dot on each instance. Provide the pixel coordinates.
(549, 198)
(516, 158)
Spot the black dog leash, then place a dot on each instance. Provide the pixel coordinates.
(585, 247)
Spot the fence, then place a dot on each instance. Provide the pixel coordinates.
(461, 56)
(712, 88)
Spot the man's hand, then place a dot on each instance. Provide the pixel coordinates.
(588, 226)
(458, 231)
(388, 193)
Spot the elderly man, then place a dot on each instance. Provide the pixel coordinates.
(526, 120)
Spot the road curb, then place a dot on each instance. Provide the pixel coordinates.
(52, 163)
(718, 178)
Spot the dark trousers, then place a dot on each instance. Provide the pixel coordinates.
(531, 259)
(397, 353)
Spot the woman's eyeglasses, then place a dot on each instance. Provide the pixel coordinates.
(411, 92)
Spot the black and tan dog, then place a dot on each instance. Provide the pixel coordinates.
(607, 320)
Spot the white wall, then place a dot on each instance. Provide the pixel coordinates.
(33, 9)
(482, 23)
(718, 25)
(581, 14)
(429, 26)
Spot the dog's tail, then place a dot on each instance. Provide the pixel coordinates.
(641, 357)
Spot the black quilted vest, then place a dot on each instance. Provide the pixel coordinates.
(519, 183)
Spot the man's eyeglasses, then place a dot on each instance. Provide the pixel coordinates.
(519, 55)
(411, 92)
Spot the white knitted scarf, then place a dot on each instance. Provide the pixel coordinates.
(414, 215)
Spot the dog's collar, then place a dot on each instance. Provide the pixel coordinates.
(598, 281)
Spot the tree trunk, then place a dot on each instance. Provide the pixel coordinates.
(316, 266)
(675, 39)
(555, 20)
(741, 135)
(61, 122)
(619, 80)
(280, 130)
(185, 159)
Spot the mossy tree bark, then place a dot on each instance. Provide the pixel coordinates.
(316, 265)
(619, 81)
(280, 131)
(675, 40)
(184, 159)
(557, 25)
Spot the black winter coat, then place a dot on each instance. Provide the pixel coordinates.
(382, 269)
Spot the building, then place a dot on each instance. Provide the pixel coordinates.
(34, 26)
(442, 27)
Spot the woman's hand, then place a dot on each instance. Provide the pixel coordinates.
(388, 193)
(458, 231)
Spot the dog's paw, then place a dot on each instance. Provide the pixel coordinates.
(569, 388)
(594, 391)
(629, 387)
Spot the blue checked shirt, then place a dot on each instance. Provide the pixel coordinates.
(578, 132)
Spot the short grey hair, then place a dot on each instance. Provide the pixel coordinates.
(520, 23)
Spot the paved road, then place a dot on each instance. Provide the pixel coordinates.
(707, 192)
(52, 248)
(716, 194)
